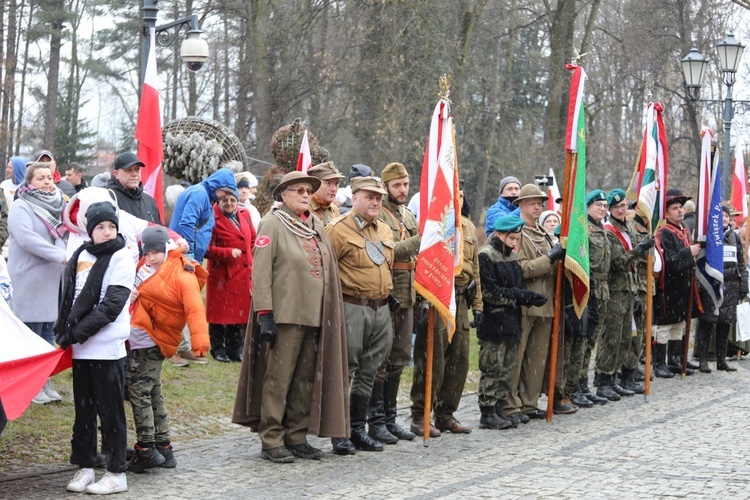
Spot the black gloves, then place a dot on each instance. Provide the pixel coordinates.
(478, 318)
(62, 340)
(557, 253)
(268, 329)
(393, 303)
(637, 306)
(644, 246)
(471, 291)
(529, 298)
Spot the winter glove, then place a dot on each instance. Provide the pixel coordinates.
(637, 306)
(644, 246)
(478, 318)
(529, 298)
(62, 340)
(557, 253)
(268, 329)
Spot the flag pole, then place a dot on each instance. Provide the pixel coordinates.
(647, 319)
(428, 377)
(569, 157)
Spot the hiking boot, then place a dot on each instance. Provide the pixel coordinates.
(278, 455)
(146, 457)
(518, 418)
(81, 480)
(166, 451)
(491, 420)
(304, 450)
(563, 406)
(111, 482)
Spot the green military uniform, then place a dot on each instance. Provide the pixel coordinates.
(636, 343)
(450, 359)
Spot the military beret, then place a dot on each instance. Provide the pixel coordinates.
(615, 196)
(508, 224)
(393, 171)
(595, 195)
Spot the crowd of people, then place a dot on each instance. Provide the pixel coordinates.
(316, 300)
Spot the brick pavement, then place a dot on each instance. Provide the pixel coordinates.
(688, 441)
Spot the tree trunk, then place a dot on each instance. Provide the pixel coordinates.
(258, 52)
(9, 80)
(53, 74)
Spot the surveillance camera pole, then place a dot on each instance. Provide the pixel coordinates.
(166, 34)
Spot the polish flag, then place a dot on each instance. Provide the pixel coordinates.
(739, 180)
(26, 362)
(148, 131)
(304, 160)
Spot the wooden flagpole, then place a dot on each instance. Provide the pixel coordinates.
(428, 377)
(559, 302)
(647, 320)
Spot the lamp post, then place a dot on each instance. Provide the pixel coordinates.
(694, 69)
(194, 49)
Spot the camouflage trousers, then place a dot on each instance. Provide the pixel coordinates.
(593, 339)
(149, 410)
(497, 360)
(632, 356)
(618, 330)
(575, 355)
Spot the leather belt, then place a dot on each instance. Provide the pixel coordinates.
(404, 266)
(359, 301)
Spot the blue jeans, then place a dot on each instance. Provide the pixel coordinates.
(44, 330)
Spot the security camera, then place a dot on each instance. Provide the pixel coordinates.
(194, 50)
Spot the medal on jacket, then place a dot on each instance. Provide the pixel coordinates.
(375, 251)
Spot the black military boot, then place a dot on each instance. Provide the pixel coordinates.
(721, 351)
(343, 446)
(579, 399)
(216, 336)
(629, 382)
(583, 386)
(376, 416)
(358, 406)
(702, 340)
(390, 402)
(519, 419)
(604, 390)
(659, 355)
(490, 419)
(674, 349)
(235, 345)
(618, 388)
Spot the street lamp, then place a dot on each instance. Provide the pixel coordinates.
(194, 49)
(694, 68)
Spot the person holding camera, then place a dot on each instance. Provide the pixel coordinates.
(450, 362)
(381, 418)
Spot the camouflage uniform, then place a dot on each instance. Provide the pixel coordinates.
(636, 343)
(149, 410)
(618, 329)
(599, 258)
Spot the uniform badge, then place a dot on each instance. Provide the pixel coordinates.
(262, 241)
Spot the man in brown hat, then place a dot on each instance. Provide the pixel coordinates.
(364, 250)
(322, 202)
(537, 254)
(403, 225)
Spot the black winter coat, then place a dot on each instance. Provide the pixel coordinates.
(500, 275)
(135, 201)
(735, 282)
(672, 291)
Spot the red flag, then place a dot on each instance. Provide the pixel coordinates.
(26, 362)
(148, 131)
(440, 258)
(739, 180)
(304, 160)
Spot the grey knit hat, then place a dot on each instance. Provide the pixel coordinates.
(508, 180)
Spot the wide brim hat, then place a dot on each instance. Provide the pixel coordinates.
(292, 178)
(674, 195)
(530, 191)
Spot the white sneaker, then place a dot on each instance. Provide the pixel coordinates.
(50, 391)
(41, 398)
(81, 480)
(111, 482)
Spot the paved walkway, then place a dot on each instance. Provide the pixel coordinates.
(689, 441)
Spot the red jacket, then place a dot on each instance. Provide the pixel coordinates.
(230, 279)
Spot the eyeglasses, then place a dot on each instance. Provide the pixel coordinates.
(300, 190)
(600, 204)
(227, 199)
(621, 206)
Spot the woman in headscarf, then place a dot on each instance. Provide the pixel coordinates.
(36, 256)
(14, 175)
(230, 263)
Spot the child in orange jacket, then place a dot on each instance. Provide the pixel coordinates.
(167, 295)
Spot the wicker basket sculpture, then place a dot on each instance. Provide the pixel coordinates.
(285, 147)
(195, 147)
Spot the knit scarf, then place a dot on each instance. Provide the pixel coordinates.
(73, 310)
(47, 206)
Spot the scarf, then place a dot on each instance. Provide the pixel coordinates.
(72, 310)
(47, 206)
(323, 204)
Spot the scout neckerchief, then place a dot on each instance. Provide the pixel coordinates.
(623, 238)
(399, 223)
(374, 249)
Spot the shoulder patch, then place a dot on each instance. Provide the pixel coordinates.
(263, 241)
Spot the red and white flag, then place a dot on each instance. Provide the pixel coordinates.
(304, 160)
(148, 131)
(739, 180)
(553, 193)
(440, 258)
(26, 362)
